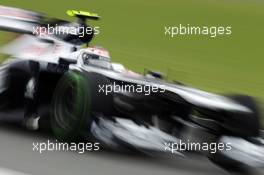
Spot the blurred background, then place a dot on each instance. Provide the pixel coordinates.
(133, 32)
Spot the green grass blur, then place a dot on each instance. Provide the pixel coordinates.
(133, 31)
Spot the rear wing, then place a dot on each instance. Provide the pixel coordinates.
(18, 20)
(36, 40)
(83, 15)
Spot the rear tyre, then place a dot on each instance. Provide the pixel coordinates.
(70, 106)
(76, 101)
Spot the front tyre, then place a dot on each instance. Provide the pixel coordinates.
(252, 122)
(252, 125)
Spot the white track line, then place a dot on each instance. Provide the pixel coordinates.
(5, 171)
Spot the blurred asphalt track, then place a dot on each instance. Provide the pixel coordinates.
(18, 158)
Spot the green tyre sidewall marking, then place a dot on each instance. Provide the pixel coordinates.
(80, 111)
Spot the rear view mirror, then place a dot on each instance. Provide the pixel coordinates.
(67, 61)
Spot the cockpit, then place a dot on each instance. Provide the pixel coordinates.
(90, 59)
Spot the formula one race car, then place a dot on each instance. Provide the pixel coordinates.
(51, 81)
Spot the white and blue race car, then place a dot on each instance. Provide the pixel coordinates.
(52, 81)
